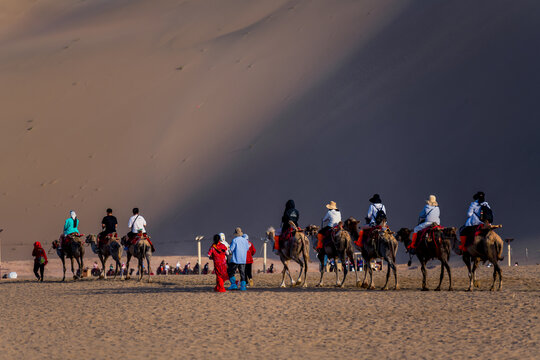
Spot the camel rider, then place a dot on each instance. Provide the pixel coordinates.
(108, 225)
(431, 214)
(70, 227)
(376, 212)
(290, 214)
(479, 212)
(330, 220)
(137, 224)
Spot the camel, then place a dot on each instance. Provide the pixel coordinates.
(112, 248)
(380, 244)
(140, 250)
(73, 249)
(487, 246)
(340, 247)
(438, 246)
(296, 249)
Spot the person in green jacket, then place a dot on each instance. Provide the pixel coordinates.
(70, 227)
(72, 223)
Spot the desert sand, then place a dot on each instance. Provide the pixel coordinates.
(181, 317)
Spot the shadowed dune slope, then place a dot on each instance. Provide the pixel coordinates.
(208, 115)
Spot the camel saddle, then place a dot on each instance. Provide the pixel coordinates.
(426, 235)
(467, 235)
(287, 235)
(365, 234)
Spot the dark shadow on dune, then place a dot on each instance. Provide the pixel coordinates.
(443, 100)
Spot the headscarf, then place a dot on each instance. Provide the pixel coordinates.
(73, 214)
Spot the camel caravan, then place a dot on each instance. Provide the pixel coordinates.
(335, 240)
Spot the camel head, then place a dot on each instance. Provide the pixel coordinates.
(403, 235)
(312, 230)
(55, 244)
(270, 233)
(91, 239)
(351, 224)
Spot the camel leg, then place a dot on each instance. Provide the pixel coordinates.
(140, 268)
(304, 281)
(475, 266)
(127, 265)
(467, 261)
(385, 287)
(345, 270)
(355, 264)
(301, 263)
(103, 274)
(500, 276)
(79, 264)
(396, 284)
(364, 282)
(424, 275)
(447, 266)
(438, 288)
(283, 274)
(320, 256)
(149, 269)
(72, 270)
(293, 283)
(63, 267)
(337, 272)
(371, 286)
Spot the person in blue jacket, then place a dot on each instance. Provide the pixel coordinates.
(239, 249)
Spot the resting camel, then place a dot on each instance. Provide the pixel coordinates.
(340, 247)
(111, 248)
(380, 244)
(439, 245)
(296, 249)
(73, 249)
(140, 250)
(487, 246)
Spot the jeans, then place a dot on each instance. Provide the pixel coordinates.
(41, 268)
(241, 269)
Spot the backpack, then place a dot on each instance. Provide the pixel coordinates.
(380, 216)
(486, 214)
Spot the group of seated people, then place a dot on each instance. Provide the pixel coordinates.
(165, 269)
(479, 212)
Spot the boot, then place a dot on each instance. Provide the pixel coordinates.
(243, 286)
(233, 284)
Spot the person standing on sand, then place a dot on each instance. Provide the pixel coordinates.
(249, 261)
(239, 250)
(218, 253)
(40, 260)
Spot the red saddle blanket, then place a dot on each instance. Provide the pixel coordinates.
(287, 235)
(422, 234)
(364, 234)
(468, 234)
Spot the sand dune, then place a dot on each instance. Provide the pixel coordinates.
(210, 114)
(179, 316)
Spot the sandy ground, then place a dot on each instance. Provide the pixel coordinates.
(180, 317)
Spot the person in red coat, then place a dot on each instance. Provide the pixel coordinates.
(218, 253)
(40, 260)
(249, 261)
